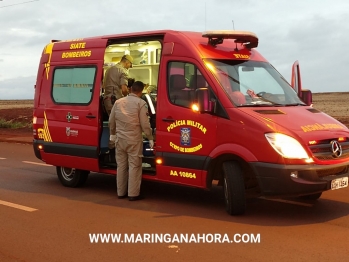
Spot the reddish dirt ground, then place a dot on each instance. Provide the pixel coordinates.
(22, 115)
(333, 104)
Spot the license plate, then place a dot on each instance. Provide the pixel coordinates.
(339, 183)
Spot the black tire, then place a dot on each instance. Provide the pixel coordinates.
(71, 177)
(234, 188)
(312, 196)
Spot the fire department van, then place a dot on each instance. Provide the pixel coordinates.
(222, 115)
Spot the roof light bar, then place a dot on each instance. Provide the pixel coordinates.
(249, 39)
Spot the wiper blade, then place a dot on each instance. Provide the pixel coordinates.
(256, 105)
(264, 104)
(271, 105)
(295, 104)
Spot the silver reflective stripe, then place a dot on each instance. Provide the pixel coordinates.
(150, 103)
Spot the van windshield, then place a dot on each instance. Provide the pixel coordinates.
(252, 83)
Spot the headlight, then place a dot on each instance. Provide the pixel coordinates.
(286, 146)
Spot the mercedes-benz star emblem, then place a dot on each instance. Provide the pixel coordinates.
(336, 149)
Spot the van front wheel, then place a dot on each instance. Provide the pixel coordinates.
(234, 188)
(71, 177)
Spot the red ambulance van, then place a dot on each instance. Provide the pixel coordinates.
(223, 114)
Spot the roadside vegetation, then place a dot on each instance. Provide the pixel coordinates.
(12, 124)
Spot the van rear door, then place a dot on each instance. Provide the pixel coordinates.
(71, 116)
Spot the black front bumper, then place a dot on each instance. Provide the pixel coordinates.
(276, 180)
(36, 143)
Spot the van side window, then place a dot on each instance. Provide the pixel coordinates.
(183, 80)
(73, 85)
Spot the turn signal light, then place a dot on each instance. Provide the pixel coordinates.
(158, 161)
(309, 160)
(195, 108)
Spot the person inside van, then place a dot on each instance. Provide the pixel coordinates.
(150, 99)
(115, 82)
(130, 82)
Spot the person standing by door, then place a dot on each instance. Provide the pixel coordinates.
(128, 118)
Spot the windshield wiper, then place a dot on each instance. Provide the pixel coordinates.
(295, 104)
(270, 104)
(256, 105)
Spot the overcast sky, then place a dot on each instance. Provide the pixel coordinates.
(311, 31)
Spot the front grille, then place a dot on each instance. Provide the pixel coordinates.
(323, 150)
(332, 171)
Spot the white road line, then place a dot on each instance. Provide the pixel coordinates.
(288, 202)
(24, 208)
(1, 158)
(36, 163)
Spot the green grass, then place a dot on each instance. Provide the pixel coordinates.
(10, 124)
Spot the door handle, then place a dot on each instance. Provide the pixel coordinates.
(91, 116)
(168, 120)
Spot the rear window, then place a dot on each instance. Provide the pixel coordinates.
(73, 85)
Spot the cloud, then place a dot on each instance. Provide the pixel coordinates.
(311, 32)
(17, 88)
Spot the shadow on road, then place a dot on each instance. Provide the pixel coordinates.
(167, 200)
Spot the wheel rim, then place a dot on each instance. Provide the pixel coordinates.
(68, 173)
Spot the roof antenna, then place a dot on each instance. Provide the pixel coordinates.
(236, 44)
(205, 16)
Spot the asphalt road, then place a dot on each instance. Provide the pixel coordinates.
(40, 220)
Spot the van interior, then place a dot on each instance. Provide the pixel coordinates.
(146, 59)
(145, 67)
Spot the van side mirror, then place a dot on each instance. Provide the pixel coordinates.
(307, 97)
(203, 100)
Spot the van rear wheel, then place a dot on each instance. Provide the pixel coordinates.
(71, 177)
(234, 188)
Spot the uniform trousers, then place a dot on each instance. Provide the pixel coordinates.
(108, 104)
(128, 156)
(108, 107)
